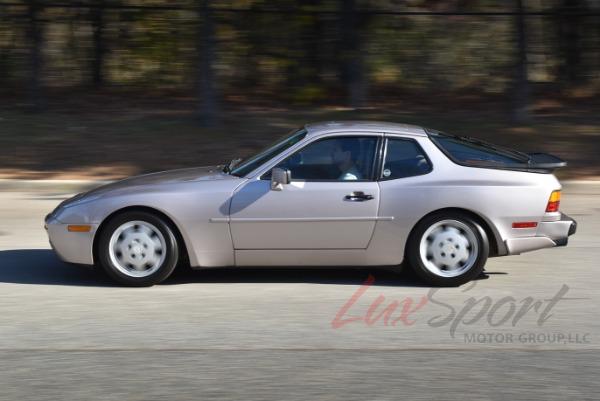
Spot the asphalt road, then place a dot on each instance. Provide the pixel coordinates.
(529, 329)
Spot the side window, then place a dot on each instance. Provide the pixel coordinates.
(404, 158)
(334, 159)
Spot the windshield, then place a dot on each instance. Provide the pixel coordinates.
(270, 152)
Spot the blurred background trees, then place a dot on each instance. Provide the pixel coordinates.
(346, 52)
(190, 64)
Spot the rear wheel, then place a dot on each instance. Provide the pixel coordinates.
(448, 249)
(138, 249)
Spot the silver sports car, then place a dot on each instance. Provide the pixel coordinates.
(327, 194)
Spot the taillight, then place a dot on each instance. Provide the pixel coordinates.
(553, 202)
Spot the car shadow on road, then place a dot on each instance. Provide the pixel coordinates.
(42, 267)
(311, 275)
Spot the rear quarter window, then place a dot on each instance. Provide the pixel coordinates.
(404, 158)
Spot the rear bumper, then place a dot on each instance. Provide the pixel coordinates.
(549, 234)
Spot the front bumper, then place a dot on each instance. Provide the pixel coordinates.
(71, 247)
(549, 234)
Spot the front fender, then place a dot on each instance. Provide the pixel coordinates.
(199, 212)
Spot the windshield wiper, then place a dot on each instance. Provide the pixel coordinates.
(231, 165)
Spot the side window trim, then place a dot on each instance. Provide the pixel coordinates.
(384, 147)
(379, 158)
(373, 175)
(389, 137)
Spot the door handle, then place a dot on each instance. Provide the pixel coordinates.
(358, 196)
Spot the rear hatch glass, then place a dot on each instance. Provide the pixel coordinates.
(475, 152)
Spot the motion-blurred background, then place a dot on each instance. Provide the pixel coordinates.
(107, 88)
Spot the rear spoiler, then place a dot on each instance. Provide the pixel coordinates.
(537, 163)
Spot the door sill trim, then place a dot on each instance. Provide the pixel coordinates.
(298, 219)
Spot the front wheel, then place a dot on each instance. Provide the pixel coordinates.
(448, 249)
(138, 249)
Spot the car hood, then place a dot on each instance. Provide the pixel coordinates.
(173, 176)
(195, 174)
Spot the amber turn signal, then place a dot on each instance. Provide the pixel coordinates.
(553, 202)
(79, 228)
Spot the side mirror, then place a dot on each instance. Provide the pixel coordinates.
(279, 178)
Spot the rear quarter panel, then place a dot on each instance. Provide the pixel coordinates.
(499, 197)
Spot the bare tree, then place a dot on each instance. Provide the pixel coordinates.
(521, 82)
(208, 107)
(304, 48)
(35, 94)
(99, 49)
(571, 32)
(352, 68)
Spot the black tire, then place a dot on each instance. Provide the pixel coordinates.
(416, 262)
(164, 269)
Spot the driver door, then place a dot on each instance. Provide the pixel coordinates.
(321, 208)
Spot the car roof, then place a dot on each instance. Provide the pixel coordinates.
(370, 126)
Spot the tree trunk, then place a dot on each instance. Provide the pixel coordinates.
(35, 95)
(97, 19)
(207, 102)
(352, 68)
(303, 72)
(521, 82)
(570, 38)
